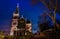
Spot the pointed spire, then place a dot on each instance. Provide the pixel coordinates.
(17, 5)
(17, 8)
(22, 16)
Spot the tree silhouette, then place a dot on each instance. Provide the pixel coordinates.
(44, 22)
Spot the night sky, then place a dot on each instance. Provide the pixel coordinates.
(26, 8)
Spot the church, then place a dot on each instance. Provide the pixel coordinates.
(19, 26)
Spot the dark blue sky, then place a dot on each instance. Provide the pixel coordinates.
(29, 11)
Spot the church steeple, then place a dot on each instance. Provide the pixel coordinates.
(15, 20)
(17, 8)
(22, 16)
(16, 12)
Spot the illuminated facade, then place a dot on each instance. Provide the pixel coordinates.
(29, 26)
(15, 20)
(21, 27)
(19, 24)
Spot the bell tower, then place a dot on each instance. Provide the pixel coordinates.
(21, 23)
(28, 26)
(15, 19)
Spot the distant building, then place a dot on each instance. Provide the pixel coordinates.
(19, 24)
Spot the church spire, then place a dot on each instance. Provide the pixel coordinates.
(17, 8)
(22, 16)
(15, 20)
(17, 5)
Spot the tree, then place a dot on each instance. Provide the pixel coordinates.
(44, 22)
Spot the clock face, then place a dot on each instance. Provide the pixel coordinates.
(21, 21)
